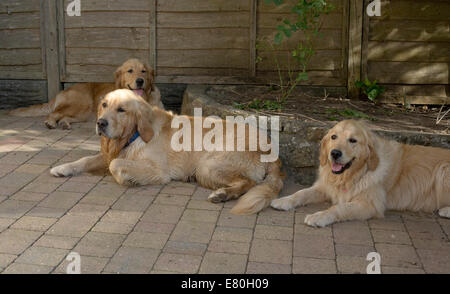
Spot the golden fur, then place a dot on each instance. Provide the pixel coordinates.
(151, 160)
(79, 103)
(384, 174)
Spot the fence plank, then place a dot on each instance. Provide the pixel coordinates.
(130, 38)
(51, 46)
(354, 46)
(409, 72)
(253, 36)
(202, 5)
(221, 38)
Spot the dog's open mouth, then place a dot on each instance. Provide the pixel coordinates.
(338, 168)
(138, 91)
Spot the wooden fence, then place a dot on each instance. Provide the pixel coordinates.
(214, 42)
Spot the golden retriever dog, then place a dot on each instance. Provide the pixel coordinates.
(79, 103)
(136, 147)
(363, 174)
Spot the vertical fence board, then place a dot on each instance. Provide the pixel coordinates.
(152, 37)
(354, 46)
(253, 32)
(51, 46)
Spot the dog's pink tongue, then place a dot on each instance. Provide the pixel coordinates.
(139, 92)
(337, 167)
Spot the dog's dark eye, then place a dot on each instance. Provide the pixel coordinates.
(144, 71)
(334, 137)
(120, 109)
(351, 140)
(130, 71)
(104, 104)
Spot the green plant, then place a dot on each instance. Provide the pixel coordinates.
(347, 113)
(307, 20)
(371, 89)
(259, 104)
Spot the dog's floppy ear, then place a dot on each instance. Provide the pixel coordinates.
(373, 161)
(323, 157)
(143, 121)
(118, 77)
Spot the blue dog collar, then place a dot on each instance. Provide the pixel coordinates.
(132, 139)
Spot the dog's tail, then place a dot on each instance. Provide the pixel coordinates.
(260, 196)
(34, 110)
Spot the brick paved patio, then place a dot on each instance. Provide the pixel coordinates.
(172, 228)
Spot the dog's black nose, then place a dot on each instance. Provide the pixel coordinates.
(336, 153)
(139, 82)
(102, 123)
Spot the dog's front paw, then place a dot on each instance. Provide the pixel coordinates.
(319, 219)
(62, 171)
(284, 203)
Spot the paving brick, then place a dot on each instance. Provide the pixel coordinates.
(356, 233)
(273, 232)
(394, 237)
(223, 263)
(305, 265)
(353, 250)
(113, 228)
(162, 214)
(99, 244)
(128, 260)
(16, 179)
(144, 191)
(29, 196)
(32, 223)
(88, 265)
(146, 240)
(201, 193)
(276, 218)
(60, 199)
(128, 202)
(185, 248)
(41, 187)
(32, 168)
(308, 230)
(424, 229)
(6, 259)
(431, 244)
(397, 255)
(20, 268)
(194, 232)
(271, 251)
(47, 212)
(232, 234)
(61, 242)
(14, 208)
(227, 219)
(181, 263)
(197, 215)
(352, 264)
(86, 179)
(229, 247)
(389, 270)
(16, 241)
(71, 186)
(315, 246)
(7, 168)
(390, 224)
(267, 268)
(123, 217)
(435, 261)
(42, 256)
(88, 210)
(150, 227)
(204, 204)
(72, 226)
(168, 199)
(178, 188)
